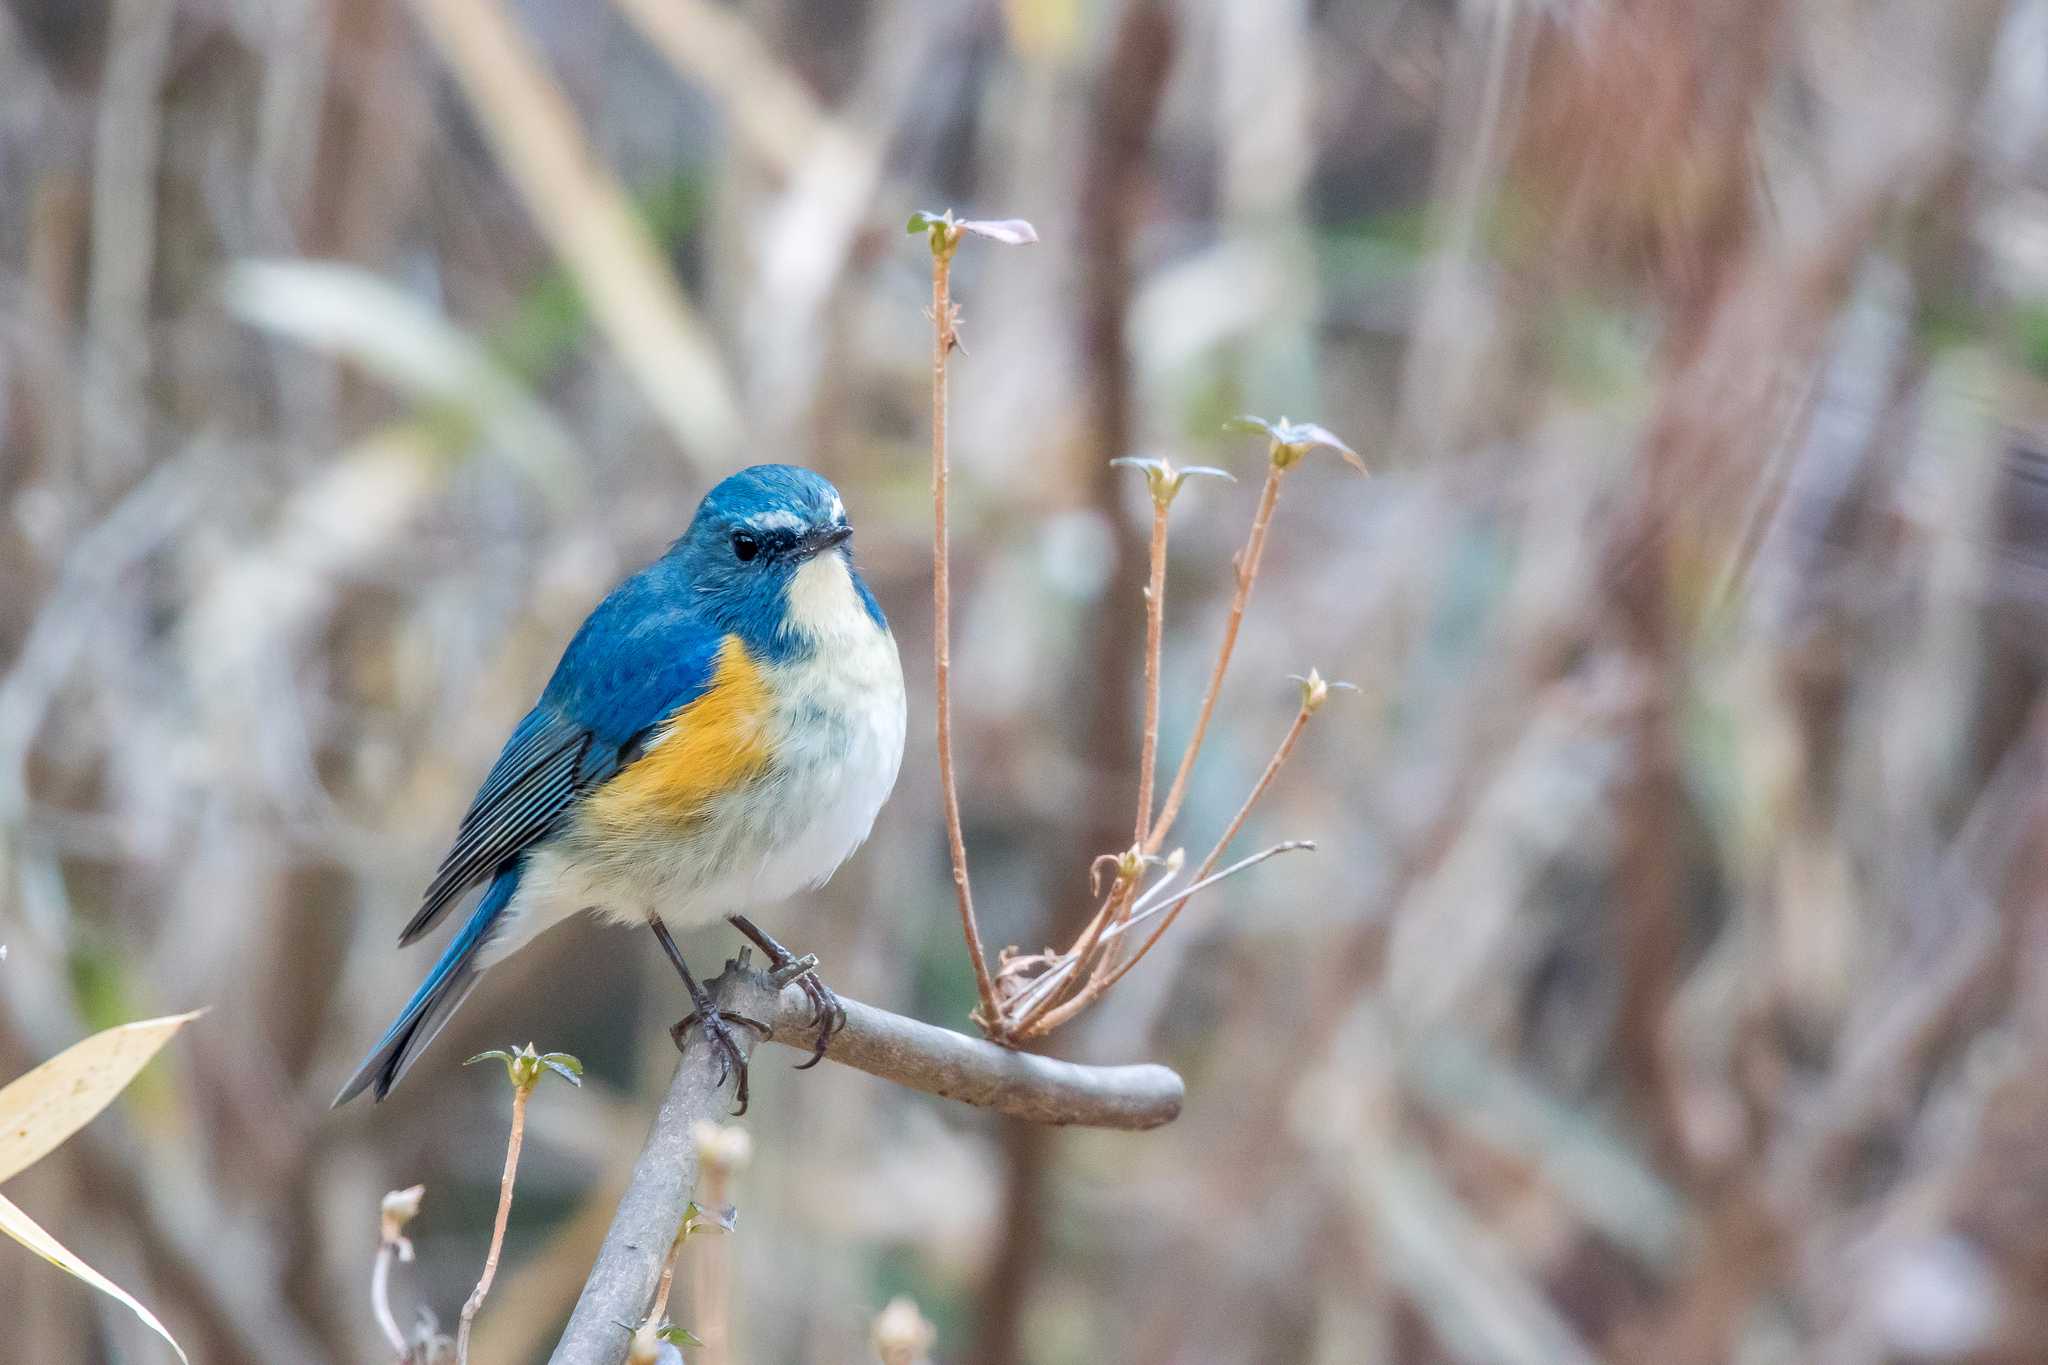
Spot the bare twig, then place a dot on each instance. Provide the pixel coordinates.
(945, 239)
(1247, 572)
(505, 1183)
(1155, 624)
(1031, 1003)
(1051, 1011)
(1309, 703)
(523, 1067)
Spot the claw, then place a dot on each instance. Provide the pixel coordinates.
(827, 1014)
(796, 969)
(727, 1048)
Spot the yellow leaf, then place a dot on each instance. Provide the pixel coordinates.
(30, 1234)
(47, 1105)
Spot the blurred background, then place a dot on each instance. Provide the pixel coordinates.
(1671, 983)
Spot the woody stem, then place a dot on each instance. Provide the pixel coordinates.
(942, 629)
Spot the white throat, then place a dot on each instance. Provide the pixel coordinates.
(822, 602)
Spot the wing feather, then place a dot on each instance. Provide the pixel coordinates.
(616, 683)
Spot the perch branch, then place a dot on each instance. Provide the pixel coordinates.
(627, 1273)
(622, 1283)
(953, 1066)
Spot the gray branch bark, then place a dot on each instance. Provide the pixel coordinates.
(935, 1060)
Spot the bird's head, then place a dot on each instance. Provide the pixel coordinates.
(768, 550)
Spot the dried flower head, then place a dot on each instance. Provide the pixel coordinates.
(398, 1209)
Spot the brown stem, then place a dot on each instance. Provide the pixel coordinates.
(483, 1286)
(1023, 1026)
(942, 624)
(1155, 625)
(1247, 571)
(1273, 766)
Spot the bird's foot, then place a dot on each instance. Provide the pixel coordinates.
(827, 1014)
(715, 1024)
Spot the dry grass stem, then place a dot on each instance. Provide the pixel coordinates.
(589, 219)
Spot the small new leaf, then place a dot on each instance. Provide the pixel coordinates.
(1293, 440)
(679, 1336)
(524, 1067)
(1164, 478)
(1008, 231)
(1315, 690)
(942, 230)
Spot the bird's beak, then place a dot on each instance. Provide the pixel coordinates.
(816, 541)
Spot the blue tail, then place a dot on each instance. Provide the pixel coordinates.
(438, 997)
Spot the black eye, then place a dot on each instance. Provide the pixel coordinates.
(744, 546)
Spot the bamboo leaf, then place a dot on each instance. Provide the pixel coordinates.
(30, 1234)
(41, 1108)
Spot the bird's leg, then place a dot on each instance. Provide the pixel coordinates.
(826, 1011)
(709, 1017)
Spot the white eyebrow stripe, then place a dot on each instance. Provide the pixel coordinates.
(777, 521)
(838, 510)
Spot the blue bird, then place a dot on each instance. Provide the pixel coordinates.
(718, 736)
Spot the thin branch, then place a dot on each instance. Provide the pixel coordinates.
(1147, 907)
(1247, 571)
(520, 1093)
(1273, 766)
(1099, 982)
(943, 340)
(1040, 996)
(1155, 625)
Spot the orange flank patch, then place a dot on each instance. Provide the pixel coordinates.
(708, 748)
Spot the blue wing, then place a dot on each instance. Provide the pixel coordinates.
(634, 662)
